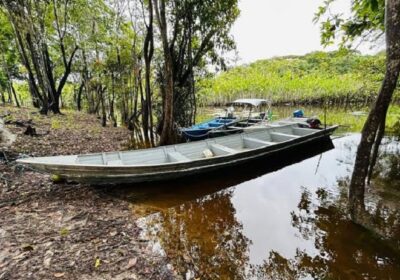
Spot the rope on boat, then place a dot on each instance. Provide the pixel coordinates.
(197, 136)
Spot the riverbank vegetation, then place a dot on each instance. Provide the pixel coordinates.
(340, 77)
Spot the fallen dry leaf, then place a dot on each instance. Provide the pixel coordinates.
(59, 274)
(132, 262)
(20, 256)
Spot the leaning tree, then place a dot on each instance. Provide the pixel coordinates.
(370, 20)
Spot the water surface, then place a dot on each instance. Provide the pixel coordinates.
(282, 218)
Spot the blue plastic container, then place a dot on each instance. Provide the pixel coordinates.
(298, 114)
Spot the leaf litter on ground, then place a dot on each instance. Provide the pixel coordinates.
(50, 230)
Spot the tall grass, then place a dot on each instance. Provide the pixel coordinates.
(335, 77)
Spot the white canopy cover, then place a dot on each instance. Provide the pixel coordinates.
(251, 101)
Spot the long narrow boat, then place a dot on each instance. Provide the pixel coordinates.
(174, 161)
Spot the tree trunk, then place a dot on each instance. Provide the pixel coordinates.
(111, 101)
(167, 134)
(79, 97)
(3, 99)
(9, 100)
(55, 104)
(375, 149)
(148, 56)
(378, 112)
(14, 94)
(37, 66)
(146, 102)
(145, 114)
(101, 92)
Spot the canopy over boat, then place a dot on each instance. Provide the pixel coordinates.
(255, 102)
(220, 124)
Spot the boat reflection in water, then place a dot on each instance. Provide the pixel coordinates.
(251, 222)
(163, 195)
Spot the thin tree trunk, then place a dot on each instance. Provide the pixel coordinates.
(103, 107)
(375, 149)
(38, 67)
(79, 96)
(111, 100)
(3, 99)
(145, 116)
(14, 94)
(167, 133)
(9, 95)
(148, 56)
(378, 111)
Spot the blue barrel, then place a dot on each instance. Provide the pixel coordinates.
(298, 114)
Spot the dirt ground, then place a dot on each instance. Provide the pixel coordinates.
(63, 230)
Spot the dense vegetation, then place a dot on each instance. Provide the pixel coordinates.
(337, 77)
(134, 58)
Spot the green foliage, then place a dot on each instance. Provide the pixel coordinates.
(23, 93)
(366, 21)
(319, 76)
(393, 120)
(200, 33)
(8, 53)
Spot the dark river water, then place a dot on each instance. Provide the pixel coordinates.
(282, 218)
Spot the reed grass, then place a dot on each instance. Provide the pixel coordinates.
(335, 77)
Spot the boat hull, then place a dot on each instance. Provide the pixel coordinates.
(201, 131)
(105, 174)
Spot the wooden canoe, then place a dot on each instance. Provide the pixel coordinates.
(179, 160)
